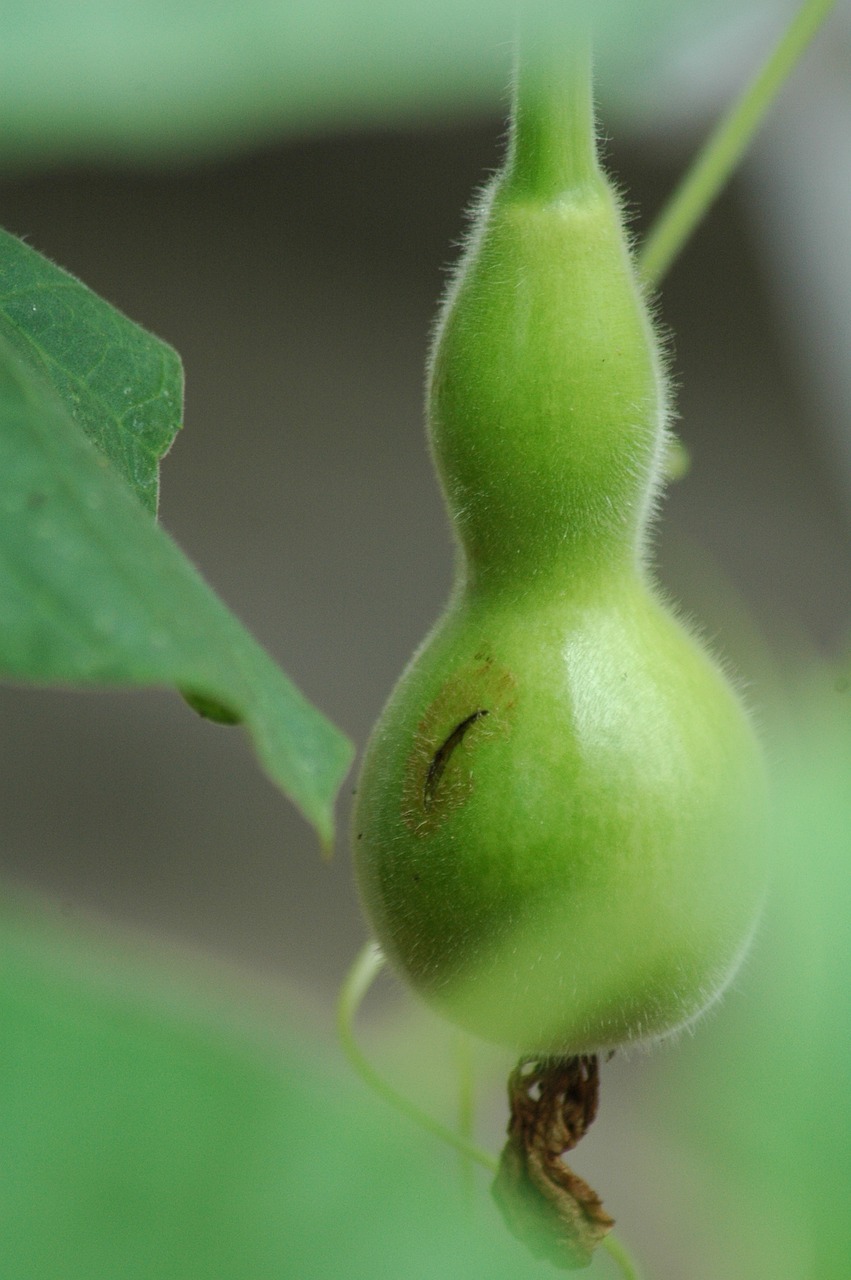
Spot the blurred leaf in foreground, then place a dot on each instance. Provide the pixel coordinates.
(762, 1093)
(122, 386)
(149, 1132)
(93, 592)
(112, 78)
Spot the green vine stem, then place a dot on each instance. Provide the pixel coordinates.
(365, 969)
(727, 144)
(360, 978)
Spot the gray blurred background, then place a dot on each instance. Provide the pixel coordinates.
(299, 284)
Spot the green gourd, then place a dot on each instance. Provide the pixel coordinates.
(558, 830)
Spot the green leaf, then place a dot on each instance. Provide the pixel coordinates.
(123, 386)
(145, 77)
(93, 592)
(150, 1130)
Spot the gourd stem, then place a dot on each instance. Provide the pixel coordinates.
(366, 968)
(552, 144)
(727, 144)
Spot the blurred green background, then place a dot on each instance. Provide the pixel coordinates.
(297, 268)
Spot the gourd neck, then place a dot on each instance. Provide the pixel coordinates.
(546, 393)
(551, 146)
(590, 571)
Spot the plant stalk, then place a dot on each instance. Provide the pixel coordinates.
(727, 144)
(360, 978)
(552, 143)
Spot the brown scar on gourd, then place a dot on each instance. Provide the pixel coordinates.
(544, 1203)
(440, 759)
(471, 708)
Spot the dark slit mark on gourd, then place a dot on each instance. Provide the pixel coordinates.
(440, 759)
